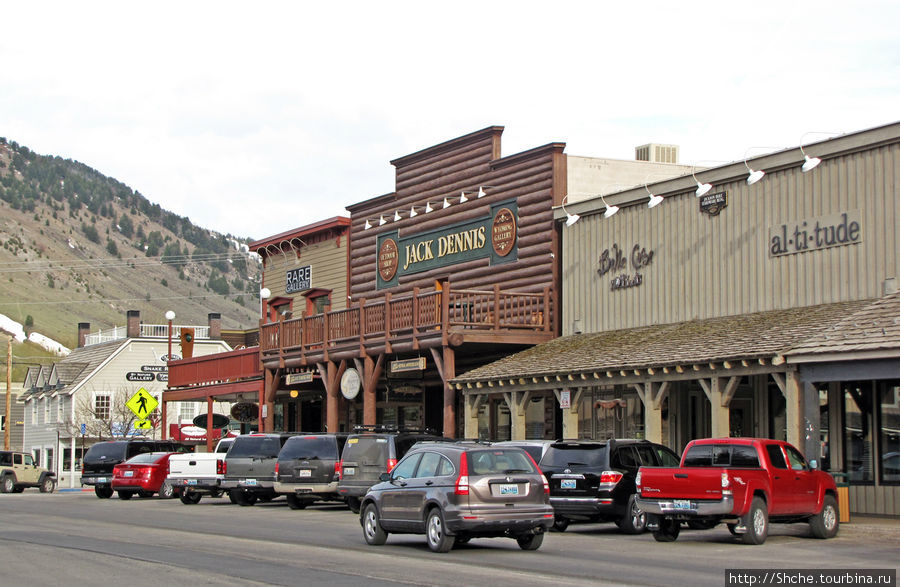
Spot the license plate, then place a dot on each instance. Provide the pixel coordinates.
(102, 479)
(306, 472)
(349, 471)
(190, 482)
(129, 473)
(681, 504)
(567, 483)
(249, 482)
(509, 490)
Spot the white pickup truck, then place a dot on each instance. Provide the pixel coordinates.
(195, 474)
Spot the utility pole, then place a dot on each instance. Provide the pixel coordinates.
(8, 391)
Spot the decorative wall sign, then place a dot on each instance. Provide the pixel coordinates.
(298, 378)
(299, 279)
(493, 236)
(139, 376)
(245, 412)
(402, 365)
(154, 368)
(614, 259)
(817, 233)
(712, 204)
(350, 383)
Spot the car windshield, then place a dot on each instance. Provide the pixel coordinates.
(309, 447)
(266, 447)
(108, 450)
(145, 458)
(499, 461)
(575, 455)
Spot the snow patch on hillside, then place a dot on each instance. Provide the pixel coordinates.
(16, 330)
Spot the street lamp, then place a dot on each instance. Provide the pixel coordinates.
(264, 294)
(170, 315)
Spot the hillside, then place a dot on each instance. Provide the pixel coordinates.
(77, 246)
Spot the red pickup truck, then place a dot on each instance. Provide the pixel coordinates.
(744, 482)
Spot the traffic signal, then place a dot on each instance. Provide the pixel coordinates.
(187, 343)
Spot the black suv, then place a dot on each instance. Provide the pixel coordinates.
(308, 468)
(371, 451)
(98, 463)
(593, 480)
(250, 467)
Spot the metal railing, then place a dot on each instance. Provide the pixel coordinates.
(147, 331)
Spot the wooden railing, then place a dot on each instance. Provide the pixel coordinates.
(408, 317)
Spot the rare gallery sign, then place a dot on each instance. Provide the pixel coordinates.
(493, 237)
(615, 261)
(816, 233)
(298, 279)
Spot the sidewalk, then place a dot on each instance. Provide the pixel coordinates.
(861, 525)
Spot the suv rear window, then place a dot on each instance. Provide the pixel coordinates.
(368, 449)
(110, 450)
(498, 462)
(266, 447)
(721, 455)
(309, 447)
(565, 455)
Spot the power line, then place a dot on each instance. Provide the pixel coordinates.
(144, 299)
(110, 263)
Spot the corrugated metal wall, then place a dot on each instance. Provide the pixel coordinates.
(706, 266)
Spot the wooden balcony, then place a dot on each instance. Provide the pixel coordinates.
(421, 319)
(230, 372)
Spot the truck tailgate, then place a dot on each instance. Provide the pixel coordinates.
(194, 465)
(681, 483)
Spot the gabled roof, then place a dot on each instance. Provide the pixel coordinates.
(872, 331)
(733, 338)
(76, 367)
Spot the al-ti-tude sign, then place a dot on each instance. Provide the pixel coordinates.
(813, 234)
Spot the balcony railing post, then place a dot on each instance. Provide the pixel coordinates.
(415, 317)
(445, 311)
(546, 308)
(496, 307)
(362, 327)
(387, 322)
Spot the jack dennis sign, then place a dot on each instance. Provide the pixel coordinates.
(492, 237)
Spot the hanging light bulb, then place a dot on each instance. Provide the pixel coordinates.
(654, 201)
(428, 208)
(397, 216)
(462, 197)
(480, 192)
(381, 220)
(570, 218)
(412, 212)
(368, 225)
(446, 203)
(610, 210)
(702, 188)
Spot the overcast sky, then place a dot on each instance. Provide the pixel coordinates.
(256, 118)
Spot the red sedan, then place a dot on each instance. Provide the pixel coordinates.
(144, 474)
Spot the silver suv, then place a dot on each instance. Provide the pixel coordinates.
(453, 492)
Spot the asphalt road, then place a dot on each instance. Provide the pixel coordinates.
(77, 539)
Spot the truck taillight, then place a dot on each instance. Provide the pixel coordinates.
(276, 471)
(637, 481)
(610, 477)
(462, 482)
(391, 463)
(221, 467)
(726, 480)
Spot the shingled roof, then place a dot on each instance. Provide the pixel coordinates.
(77, 366)
(747, 336)
(874, 328)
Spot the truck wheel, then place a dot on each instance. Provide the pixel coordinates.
(634, 521)
(294, 502)
(825, 524)
(668, 530)
(8, 484)
(103, 492)
(190, 497)
(48, 485)
(242, 497)
(126, 495)
(560, 524)
(757, 522)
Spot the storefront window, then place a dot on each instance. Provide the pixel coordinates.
(890, 432)
(611, 413)
(858, 422)
(824, 430)
(67, 458)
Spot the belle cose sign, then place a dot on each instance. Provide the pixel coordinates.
(614, 260)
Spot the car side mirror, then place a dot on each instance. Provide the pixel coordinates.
(385, 477)
(813, 464)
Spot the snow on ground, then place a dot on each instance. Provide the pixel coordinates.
(16, 331)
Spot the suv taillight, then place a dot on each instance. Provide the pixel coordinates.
(276, 471)
(610, 477)
(338, 470)
(462, 482)
(543, 477)
(221, 467)
(391, 463)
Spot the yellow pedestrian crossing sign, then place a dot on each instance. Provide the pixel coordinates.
(143, 425)
(142, 404)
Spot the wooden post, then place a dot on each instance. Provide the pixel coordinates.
(448, 373)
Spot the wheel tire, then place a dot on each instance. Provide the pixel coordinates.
(668, 530)
(825, 524)
(166, 490)
(103, 492)
(48, 485)
(757, 522)
(436, 532)
(126, 495)
(530, 541)
(372, 530)
(294, 502)
(231, 496)
(353, 504)
(560, 524)
(18, 490)
(190, 498)
(243, 498)
(8, 484)
(634, 521)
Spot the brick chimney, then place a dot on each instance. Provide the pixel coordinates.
(215, 325)
(84, 328)
(133, 324)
